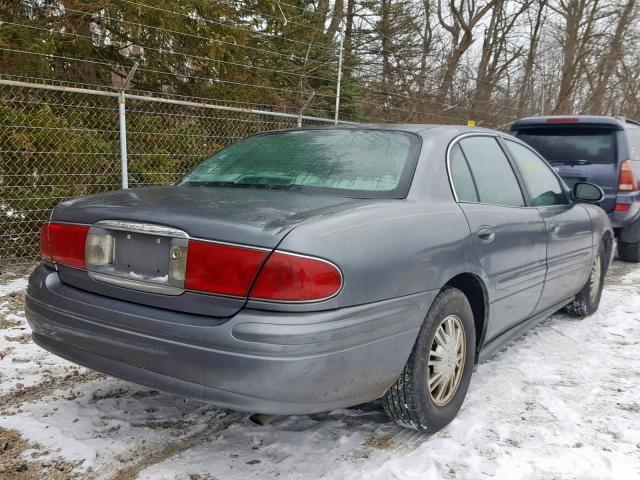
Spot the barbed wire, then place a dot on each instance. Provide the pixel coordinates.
(175, 52)
(368, 89)
(447, 106)
(114, 90)
(215, 22)
(158, 72)
(276, 18)
(357, 69)
(100, 15)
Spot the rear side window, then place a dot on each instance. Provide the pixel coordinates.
(494, 178)
(543, 185)
(572, 144)
(633, 134)
(461, 176)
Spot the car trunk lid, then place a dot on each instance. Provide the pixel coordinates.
(149, 231)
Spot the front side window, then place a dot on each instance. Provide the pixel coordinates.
(494, 178)
(543, 185)
(349, 162)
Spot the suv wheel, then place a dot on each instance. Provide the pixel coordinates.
(430, 390)
(629, 252)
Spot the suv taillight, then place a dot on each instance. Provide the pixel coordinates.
(627, 180)
(64, 243)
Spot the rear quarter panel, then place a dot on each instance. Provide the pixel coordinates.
(387, 251)
(392, 248)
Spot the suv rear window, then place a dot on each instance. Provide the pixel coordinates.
(571, 144)
(353, 163)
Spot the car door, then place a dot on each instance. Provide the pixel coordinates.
(568, 226)
(509, 239)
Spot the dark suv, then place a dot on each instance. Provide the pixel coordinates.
(600, 150)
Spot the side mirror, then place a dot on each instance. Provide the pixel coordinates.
(587, 193)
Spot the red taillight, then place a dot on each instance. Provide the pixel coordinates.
(627, 180)
(45, 245)
(562, 120)
(66, 243)
(222, 269)
(288, 277)
(622, 207)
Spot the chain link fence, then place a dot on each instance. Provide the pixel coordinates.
(58, 143)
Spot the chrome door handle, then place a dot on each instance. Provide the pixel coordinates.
(486, 234)
(553, 227)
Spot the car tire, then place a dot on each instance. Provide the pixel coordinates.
(410, 401)
(629, 252)
(587, 300)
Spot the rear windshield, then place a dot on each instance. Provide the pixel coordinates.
(359, 163)
(572, 144)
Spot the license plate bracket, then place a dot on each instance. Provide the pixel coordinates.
(144, 257)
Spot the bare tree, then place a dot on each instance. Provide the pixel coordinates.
(536, 16)
(612, 56)
(498, 52)
(460, 20)
(579, 32)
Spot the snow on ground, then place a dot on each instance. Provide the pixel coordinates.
(561, 402)
(13, 286)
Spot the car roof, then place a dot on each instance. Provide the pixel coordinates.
(420, 128)
(617, 123)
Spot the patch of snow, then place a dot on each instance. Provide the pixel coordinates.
(104, 421)
(561, 402)
(13, 286)
(23, 363)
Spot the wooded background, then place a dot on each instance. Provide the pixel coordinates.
(404, 60)
(426, 61)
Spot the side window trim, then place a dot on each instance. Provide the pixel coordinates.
(516, 171)
(504, 140)
(473, 178)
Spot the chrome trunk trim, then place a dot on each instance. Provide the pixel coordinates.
(141, 227)
(136, 284)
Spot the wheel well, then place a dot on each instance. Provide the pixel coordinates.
(474, 290)
(607, 240)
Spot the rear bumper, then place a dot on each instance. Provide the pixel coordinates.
(257, 361)
(627, 224)
(623, 220)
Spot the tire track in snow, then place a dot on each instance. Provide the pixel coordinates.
(164, 452)
(47, 387)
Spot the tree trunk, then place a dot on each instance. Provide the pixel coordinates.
(611, 59)
(385, 33)
(336, 19)
(526, 91)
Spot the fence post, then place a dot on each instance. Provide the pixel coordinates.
(124, 167)
(124, 163)
(341, 48)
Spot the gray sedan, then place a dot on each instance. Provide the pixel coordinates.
(306, 270)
